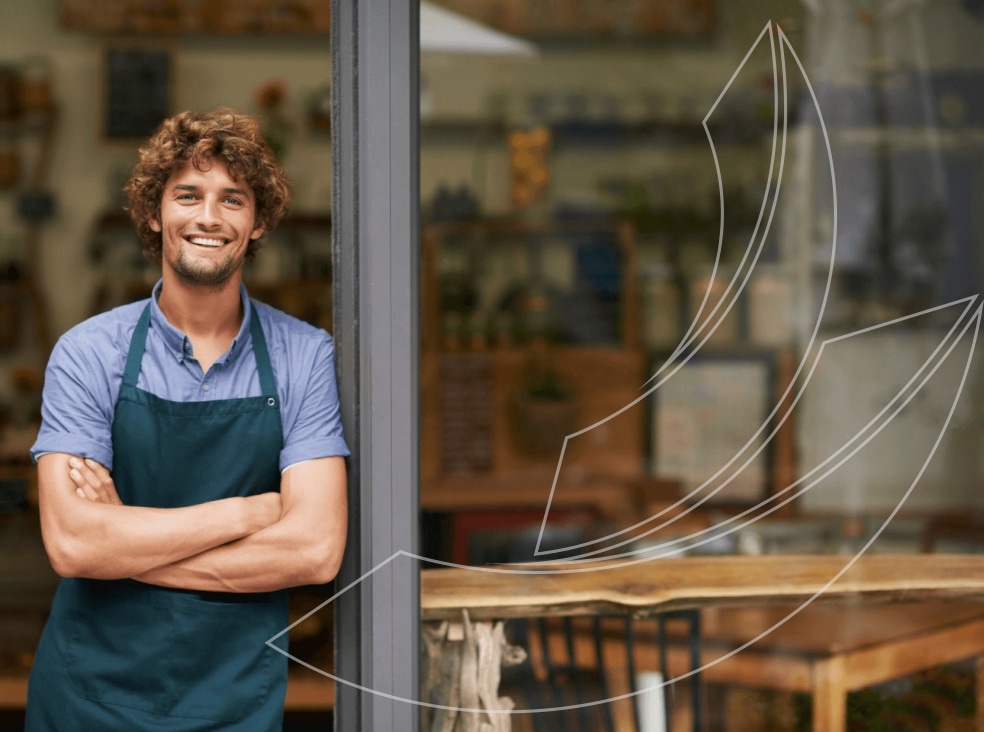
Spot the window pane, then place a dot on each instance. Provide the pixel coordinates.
(697, 279)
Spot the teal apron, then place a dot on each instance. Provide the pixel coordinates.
(127, 656)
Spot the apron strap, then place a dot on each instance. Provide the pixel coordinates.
(267, 383)
(137, 344)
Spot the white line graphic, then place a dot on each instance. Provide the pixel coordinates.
(684, 541)
(808, 350)
(688, 347)
(975, 320)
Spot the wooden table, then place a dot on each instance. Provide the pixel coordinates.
(826, 650)
(651, 587)
(646, 589)
(832, 648)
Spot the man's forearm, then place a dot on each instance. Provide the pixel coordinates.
(271, 559)
(303, 547)
(87, 538)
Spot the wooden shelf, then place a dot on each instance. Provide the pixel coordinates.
(304, 693)
(193, 17)
(592, 132)
(494, 233)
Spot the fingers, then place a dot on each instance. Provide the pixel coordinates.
(92, 481)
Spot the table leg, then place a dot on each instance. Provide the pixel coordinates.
(464, 669)
(979, 684)
(829, 695)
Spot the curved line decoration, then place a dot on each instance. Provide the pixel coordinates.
(970, 317)
(808, 351)
(877, 423)
(849, 561)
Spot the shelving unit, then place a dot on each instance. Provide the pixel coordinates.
(25, 340)
(476, 467)
(34, 205)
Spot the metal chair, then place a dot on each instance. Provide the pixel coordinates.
(575, 684)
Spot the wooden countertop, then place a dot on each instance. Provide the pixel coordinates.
(646, 588)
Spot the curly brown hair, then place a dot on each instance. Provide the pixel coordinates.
(222, 134)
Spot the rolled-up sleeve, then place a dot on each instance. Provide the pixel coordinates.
(76, 408)
(315, 429)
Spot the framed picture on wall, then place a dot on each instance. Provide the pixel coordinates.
(707, 427)
(137, 88)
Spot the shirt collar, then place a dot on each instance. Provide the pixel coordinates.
(178, 344)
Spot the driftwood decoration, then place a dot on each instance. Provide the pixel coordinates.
(465, 663)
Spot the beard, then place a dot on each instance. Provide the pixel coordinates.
(213, 275)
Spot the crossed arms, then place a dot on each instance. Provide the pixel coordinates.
(252, 544)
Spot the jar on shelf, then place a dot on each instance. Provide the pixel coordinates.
(770, 308)
(725, 322)
(36, 94)
(661, 303)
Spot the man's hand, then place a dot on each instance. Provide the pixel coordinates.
(89, 532)
(92, 480)
(303, 547)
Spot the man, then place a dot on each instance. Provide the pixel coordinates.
(190, 462)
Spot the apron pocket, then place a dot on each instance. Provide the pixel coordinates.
(173, 653)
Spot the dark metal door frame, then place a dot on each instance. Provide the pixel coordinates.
(375, 241)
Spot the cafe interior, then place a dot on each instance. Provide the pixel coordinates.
(699, 281)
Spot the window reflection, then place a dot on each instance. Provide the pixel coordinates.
(801, 375)
(796, 187)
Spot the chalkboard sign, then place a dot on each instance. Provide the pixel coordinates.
(137, 92)
(466, 413)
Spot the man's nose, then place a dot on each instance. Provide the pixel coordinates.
(209, 214)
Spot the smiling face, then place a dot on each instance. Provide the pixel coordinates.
(206, 221)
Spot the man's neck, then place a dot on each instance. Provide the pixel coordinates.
(210, 318)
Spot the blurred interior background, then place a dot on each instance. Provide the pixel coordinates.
(722, 254)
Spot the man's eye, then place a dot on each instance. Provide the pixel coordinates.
(234, 201)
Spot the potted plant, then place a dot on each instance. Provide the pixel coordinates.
(544, 408)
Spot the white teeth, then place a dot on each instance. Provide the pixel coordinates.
(202, 241)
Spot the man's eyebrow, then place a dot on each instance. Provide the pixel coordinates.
(192, 187)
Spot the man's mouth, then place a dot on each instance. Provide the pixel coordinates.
(206, 241)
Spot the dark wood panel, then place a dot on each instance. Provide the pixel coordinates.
(162, 17)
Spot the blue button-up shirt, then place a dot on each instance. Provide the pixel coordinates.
(84, 373)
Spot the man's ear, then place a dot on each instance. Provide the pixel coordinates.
(155, 223)
(257, 233)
